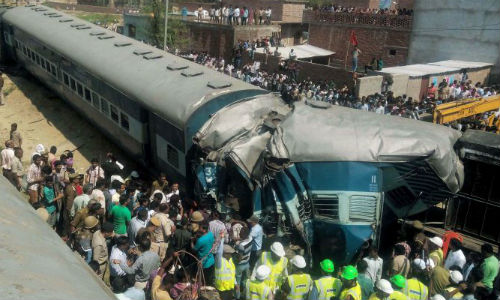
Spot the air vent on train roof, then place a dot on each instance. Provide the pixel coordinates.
(83, 27)
(39, 9)
(106, 37)
(97, 33)
(150, 56)
(192, 72)
(177, 66)
(30, 5)
(142, 51)
(77, 25)
(55, 16)
(66, 20)
(219, 84)
(50, 13)
(122, 44)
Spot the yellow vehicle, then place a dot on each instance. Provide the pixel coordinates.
(456, 110)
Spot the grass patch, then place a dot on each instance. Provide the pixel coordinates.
(99, 18)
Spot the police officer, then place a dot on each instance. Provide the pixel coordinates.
(225, 272)
(398, 283)
(298, 284)
(415, 289)
(351, 288)
(326, 286)
(383, 290)
(257, 289)
(277, 263)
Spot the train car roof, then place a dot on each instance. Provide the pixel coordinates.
(481, 146)
(34, 262)
(169, 86)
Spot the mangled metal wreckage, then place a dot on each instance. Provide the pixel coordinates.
(324, 172)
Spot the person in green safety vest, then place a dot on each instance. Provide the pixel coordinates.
(277, 262)
(298, 284)
(225, 272)
(326, 286)
(398, 284)
(257, 289)
(415, 289)
(383, 290)
(351, 290)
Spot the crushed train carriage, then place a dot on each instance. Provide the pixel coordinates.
(326, 172)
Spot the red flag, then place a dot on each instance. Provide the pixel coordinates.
(353, 39)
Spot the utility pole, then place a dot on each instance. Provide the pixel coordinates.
(166, 23)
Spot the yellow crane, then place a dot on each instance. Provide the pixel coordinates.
(456, 110)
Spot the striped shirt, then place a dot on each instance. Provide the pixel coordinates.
(244, 248)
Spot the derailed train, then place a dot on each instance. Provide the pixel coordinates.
(328, 173)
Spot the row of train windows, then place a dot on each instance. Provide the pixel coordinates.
(37, 59)
(98, 102)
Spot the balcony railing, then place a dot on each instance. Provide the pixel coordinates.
(394, 21)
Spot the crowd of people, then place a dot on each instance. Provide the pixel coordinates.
(147, 240)
(234, 15)
(333, 8)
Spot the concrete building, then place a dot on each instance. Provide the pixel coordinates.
(456, 29)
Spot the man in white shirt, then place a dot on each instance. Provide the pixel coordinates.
(375, 263)
(94, 172)
(7, 159)
(174, 190)
(137, 222)
(82, 200)
(455, 255)
(98, 194)
(268, 16)
(119, 252)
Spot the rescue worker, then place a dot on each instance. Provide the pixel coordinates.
(415, 289)
(398, 284)
(327, 286)
(99, 245)
(225, 272)
(383, 290)
(277, 263)
(436, 253)
(257, 289)
(298, 284)
(351, 290)
(454, 291)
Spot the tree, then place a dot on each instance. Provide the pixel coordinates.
(177, 34)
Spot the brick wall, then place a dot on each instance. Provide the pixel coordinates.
(251, 33)
(373, 42)
(218, 40)
(310, 71)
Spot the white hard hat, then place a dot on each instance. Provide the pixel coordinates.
(456, 277)
(438, 297)
(437, 241)
(263, 272)
(419, 264)
(298, 261)
(277, 248)
(385, 286)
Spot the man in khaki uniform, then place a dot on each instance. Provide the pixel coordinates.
(99, 246)
(164, 230)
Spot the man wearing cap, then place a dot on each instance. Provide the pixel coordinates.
(99, 246)
(420, 243)
(415, 289)
(257, 288)
(454, 291)
(398, 284)
(225, 271)
(436, 253)
(298, 284)
(351, 290)
(277, 263)
(440, 279)
(164, 230)
(69, 198)
(257, 234)
(326, 286)
(383, 290)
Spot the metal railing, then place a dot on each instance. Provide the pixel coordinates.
(378, 20)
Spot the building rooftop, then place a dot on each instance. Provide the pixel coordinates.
(435, 68)
(302, 51)
(461, 64)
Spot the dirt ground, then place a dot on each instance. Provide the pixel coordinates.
(44, 118)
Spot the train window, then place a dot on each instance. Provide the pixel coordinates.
(95, 100)
(37, 58)
(114, 113)
(72, 83)
(25, 50)
(87, 95)
(66, 79)
(53, 70)
(104, 107)
(43, 64)
(173, 156)
(124, 121)
(79, 89)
